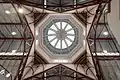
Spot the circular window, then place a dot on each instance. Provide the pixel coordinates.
(61, 35)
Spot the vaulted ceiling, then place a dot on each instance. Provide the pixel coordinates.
(18, 30)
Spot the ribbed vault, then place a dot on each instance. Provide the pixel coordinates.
(16, 39)
(59, 72)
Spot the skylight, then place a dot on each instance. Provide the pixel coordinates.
(61, 35)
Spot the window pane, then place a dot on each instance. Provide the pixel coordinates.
(54, 42)
(58, 45)
(51, 32)
(53, 27)
(68, 42)
(58, 24)
(71, 37)
(63, 25)
(63, 44)
(51, 37)
(68, 27)
(71, 32)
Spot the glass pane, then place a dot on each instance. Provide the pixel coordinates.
(53, 27)
(54, 42)
(68, 27)
(51, 32)
(63, 44)
(58, 24)
(63, 25)
(51, 37)
(58, 45)
(71, 32)
(68, 42)
(71, 37)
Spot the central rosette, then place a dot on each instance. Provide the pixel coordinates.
(61, 34)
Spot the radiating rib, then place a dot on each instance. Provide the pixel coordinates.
(69, 39)
(52, 29)
(53, 39)
(60, 24)
(65, 26)
(70, 34)
(56, 43)
(69, 29)
(56, 26)
(60, 44)
(51, 35)
(66, 43)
